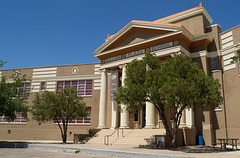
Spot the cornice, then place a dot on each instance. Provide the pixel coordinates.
(160, 53)
(207, 36)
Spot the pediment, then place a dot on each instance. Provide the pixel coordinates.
(138, 37)
(136, 32)
(135, 35)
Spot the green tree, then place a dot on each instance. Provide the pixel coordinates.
(61, 107)
(235, 58)
(13, 95)
(2, 62)
(177, 84)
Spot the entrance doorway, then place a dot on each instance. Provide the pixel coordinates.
(137, 120)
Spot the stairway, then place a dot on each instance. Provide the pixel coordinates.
(99, 137)
(126, 136)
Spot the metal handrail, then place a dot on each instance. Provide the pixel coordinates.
(108, 136)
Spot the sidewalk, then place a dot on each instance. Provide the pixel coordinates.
(130, 151)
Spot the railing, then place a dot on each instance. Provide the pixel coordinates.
(107, 137)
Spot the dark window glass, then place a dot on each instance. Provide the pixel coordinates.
(214, 63)
(43, 85)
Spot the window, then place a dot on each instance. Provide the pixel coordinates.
(84, 87)
(43, 86)
(23, 90)
(81, 120)
(19, 119)
(214, 63)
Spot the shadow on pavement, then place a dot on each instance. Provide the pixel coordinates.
(193, 149)
(5, 144)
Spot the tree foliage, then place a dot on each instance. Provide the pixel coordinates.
(177, 84)
(13, 97)
(61, 107)
(2, 63)
(236, 58)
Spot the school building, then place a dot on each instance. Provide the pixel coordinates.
(189, 32)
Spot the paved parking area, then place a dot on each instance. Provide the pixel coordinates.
(36, 153)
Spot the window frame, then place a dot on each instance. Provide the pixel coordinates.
(78, 87)
(22, 119)
(213, 69)
(43, 86)
(77, 119)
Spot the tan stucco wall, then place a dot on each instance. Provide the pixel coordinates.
(194, 24)
(84, 69)
(136, 37)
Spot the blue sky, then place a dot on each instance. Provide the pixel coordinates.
(36, 33)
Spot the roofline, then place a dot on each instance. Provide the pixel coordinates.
(47, 66)
(185, 14)
(229, 29)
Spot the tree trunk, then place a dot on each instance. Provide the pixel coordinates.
(168, 129)
(62, 131)
(64, 136)
(174, 140)
(176, 123)
(171, 132)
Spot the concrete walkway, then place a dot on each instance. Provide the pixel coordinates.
(129, 151)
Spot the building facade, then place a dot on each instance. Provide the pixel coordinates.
(86, 79)
(189, 32)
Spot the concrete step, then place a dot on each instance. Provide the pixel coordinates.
(131, 136)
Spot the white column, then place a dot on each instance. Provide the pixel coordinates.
(183, 119)
(103, 100)
(124, 122)
(114, 115)
(150, 115)
(190, 118)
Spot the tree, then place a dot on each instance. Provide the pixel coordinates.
(13, 95)
(177, 84)
(61, 107)
(2, 62)
(236, 58)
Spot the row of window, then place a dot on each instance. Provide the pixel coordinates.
(23, 89)
(81, 120)
(83, 87)
(20, 119)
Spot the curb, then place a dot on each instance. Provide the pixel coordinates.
(87, 150)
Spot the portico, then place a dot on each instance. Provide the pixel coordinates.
(132, 42)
